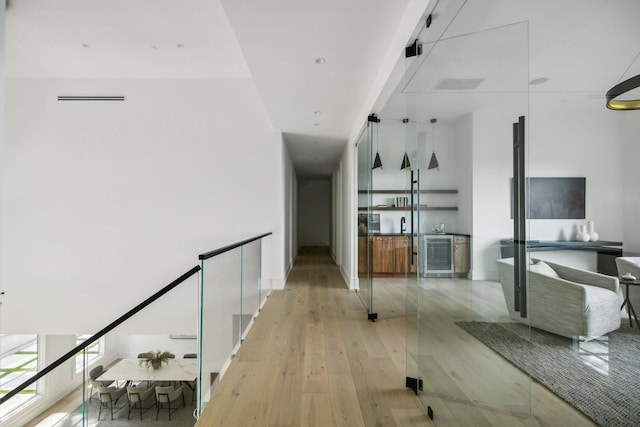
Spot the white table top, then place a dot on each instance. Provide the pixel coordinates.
(174, 370)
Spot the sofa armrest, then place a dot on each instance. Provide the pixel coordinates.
(586, 277)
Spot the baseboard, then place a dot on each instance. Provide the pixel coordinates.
(483, 275)
(352, 284)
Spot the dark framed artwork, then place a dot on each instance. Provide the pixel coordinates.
(555, 198)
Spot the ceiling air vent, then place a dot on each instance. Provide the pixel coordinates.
(90, 98)
(458, 84)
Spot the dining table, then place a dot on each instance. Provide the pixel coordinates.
(133, 370)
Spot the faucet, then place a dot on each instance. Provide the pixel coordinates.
(402, 225)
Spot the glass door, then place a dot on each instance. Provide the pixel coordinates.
(365, 220)
(464, 91)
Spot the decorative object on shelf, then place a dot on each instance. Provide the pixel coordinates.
(582, 235)
(156, 359)
(593, 234)
(433, 163)
(620, 89)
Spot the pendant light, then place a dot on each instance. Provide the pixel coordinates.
(377, 163)
(620, 89)
(433, 163)
(406, 164)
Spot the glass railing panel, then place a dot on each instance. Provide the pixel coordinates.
(221, 313)
(251, 289)
(195, 323)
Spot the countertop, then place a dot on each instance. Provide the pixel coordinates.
(408, 234)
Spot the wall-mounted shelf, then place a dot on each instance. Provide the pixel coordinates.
(406, 191)
(424, 208)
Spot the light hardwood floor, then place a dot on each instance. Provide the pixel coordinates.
(466, 383)
(313, 359)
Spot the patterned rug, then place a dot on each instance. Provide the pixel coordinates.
(600, 378)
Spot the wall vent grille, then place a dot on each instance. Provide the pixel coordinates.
(90, 98)
(458, 84)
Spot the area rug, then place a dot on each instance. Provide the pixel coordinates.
(181, 417)
(600, 378)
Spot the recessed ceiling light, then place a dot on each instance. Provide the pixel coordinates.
(538, 81)
(320, 60)
(317, 112)
(86, 46)
(180, 45)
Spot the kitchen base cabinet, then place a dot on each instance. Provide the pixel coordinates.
(390, 255)
(461, 262)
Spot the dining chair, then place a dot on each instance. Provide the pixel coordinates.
(190, 356)
(94, 382)
(109, 398)
(137, 396)
(145, 355)
(167, 395)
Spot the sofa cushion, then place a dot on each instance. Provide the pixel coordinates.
(542, 267)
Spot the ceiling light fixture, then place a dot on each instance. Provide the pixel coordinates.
(433, 163)
(320, 60)
(377, 162)
(620, 89)
(406, 164)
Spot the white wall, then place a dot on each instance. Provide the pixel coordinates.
(584, 140)
(290, 213)
(348, 216)
(314, 212)
(104, 203)
(628, 123)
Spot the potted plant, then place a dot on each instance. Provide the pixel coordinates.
(155, 359)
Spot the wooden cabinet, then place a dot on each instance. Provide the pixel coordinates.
(383, 254)
(363, 261)
(390, 255)
(461, 262)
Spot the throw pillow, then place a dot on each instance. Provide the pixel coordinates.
(542, 267)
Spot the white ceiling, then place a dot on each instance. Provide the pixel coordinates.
(583, 46)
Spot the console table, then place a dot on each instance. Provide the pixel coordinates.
(607, 251)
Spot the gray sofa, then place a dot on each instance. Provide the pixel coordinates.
(564, 300)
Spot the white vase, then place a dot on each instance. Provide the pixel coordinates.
(582, 235)
(593, 235)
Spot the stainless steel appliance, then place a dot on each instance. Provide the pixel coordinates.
(437, 255)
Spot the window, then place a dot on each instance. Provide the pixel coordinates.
(18, 363)
(94, 351)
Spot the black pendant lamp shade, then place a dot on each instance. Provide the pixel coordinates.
(433, 163)
(620, 89)
(377, 163)
(406, 164)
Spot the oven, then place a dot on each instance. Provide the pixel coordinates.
(437, 255)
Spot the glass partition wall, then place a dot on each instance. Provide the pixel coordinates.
(463, 94)
(130, 371)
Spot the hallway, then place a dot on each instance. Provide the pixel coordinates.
(312, 359)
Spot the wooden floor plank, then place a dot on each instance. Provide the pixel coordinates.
(316, 359)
